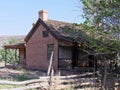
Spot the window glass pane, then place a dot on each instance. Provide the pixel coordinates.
(45, 34)
(50, 49)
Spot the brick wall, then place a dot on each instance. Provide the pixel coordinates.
(36, 50)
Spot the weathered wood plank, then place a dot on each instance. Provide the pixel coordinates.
(57, 81)
(42, 79)
(75, 76)
(50, 64)
(23, 82)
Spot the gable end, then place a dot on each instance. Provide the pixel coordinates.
(35, 28)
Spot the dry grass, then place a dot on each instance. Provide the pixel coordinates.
(8, 86)
(18, 74)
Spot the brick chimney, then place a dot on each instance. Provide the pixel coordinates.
(43, 14)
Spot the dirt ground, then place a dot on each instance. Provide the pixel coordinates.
(19, 73)
(7, 73)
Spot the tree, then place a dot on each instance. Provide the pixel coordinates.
(102, 23)
(10, 57)
(103, 20)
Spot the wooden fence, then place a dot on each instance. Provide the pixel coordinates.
(57, 82)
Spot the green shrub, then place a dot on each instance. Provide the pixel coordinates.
(22, 77)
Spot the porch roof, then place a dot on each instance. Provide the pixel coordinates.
(15, 46)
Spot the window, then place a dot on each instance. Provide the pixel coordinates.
(50, 49)
(45, 34)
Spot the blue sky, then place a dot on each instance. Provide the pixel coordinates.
(17, 16)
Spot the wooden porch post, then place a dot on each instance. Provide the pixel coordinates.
(19, 62)
(5, 56)
(75, 55)
(15, 56)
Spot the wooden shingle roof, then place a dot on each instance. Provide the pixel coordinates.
(62, 27)
(60, 30)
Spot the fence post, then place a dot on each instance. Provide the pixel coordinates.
(57, 81)
(49, 68)
(50, 72)
(51, 79)
(116, 86)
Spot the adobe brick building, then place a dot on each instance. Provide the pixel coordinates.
(50, 35)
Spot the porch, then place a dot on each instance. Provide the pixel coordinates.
(72, 56)
(18, 50)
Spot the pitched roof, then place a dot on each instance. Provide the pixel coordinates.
(63, 28)
(60, 30)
